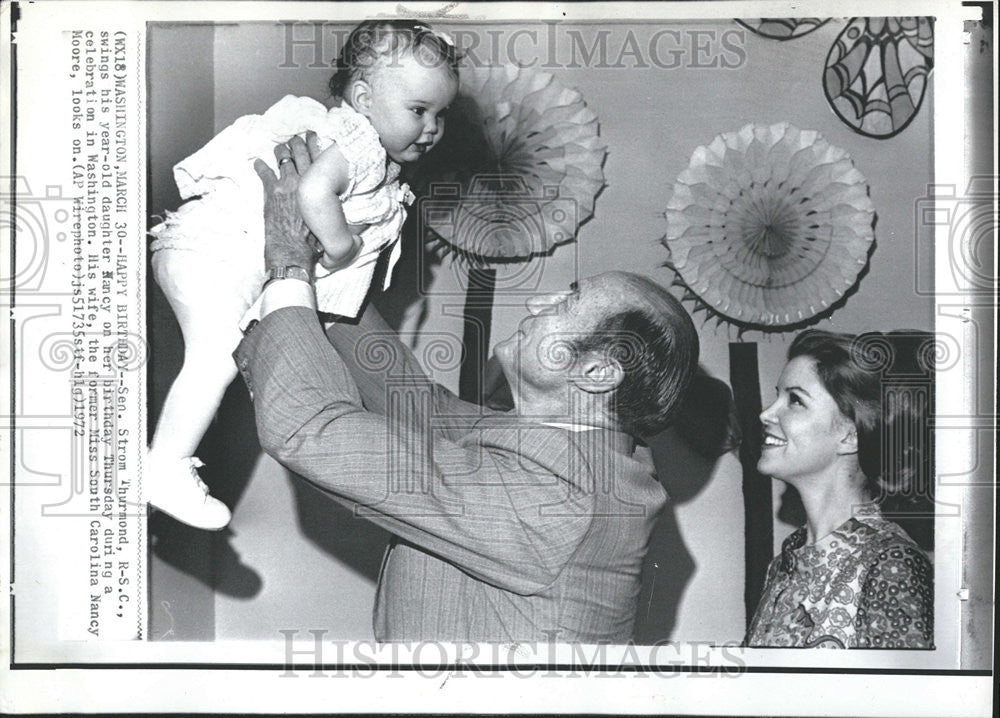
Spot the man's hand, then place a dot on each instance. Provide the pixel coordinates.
(286, 237)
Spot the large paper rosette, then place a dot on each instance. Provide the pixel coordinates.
(519, 168)
(769, 226)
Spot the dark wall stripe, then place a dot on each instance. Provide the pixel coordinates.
(745, 380)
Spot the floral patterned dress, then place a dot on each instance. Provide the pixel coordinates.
(864, 585)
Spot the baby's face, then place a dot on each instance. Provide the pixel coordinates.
(406, 105)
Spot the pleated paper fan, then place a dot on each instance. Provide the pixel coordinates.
(769, 226)
(519, 168)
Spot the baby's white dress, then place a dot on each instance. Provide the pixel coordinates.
(225, 224)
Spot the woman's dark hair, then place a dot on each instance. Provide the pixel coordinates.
(373, 40)
(883, 384)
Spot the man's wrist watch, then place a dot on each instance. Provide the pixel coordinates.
(289, 271)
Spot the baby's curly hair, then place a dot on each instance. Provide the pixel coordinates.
(374, 40)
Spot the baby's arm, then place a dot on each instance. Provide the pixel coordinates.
(319, 200)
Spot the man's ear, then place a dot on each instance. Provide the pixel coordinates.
(849, 439)
(596, 373)
(359, 94)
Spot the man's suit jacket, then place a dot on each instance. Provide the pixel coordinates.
(506, 529)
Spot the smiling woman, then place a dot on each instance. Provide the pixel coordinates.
(849, 578)
(805, 433)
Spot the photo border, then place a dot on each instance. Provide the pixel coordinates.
(947, 163)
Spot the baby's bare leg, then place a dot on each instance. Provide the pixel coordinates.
(209, 324)
(196, 393)
(208, 306)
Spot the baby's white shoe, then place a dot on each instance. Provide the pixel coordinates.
(174, 487)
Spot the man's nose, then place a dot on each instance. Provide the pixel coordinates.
(535, 305)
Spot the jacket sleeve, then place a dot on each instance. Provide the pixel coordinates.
(510, 518)
(381, 366)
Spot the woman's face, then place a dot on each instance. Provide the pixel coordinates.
(804, 431)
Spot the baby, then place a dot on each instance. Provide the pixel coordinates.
(395, 79)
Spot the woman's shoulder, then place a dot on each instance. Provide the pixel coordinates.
(877, 528)
(896, 601)
(883, 540)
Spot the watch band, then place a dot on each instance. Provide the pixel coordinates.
(250, 327)
(289, 271)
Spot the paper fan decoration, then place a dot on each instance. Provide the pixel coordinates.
(876, 71)
(519, 168)
(783, 28)
(769, 226)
